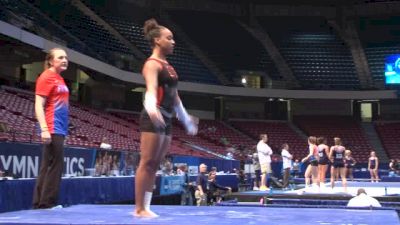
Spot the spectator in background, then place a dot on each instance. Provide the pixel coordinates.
(264, 155)
(224, 141)
(398, 164)
(98, 165)
(287, 164)
(229, 155)
(129, 164)
(105, 168)
(115, 165)
(105, 145)
(363, 200)
(212, 129)
(241, 176)
(202, 183)
(393, 167)
(167, 168)
(296, 168)
(71, 128)
(214, 194)
(4, 127)
(257, 172)
(187, 187)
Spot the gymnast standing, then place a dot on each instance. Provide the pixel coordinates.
(312, 158)
(160, 101)
(373, 165)
(323, 162)
(336, 155)
(349, 162)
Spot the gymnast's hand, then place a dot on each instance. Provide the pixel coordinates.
(150, 104)
(157, 118)
(192, 125)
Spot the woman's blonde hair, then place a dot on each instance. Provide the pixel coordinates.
(312, 140)
(50, 56)
(337, 141)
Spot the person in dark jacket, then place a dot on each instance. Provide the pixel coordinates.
(214, 189)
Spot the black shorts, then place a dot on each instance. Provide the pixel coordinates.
(313, 161)
(146, 125)
(338, 164)
(323, 161)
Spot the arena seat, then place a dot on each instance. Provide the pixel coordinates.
(221, 48)
(187, 65)
(389, 133)
(317, 56)
(39, 23)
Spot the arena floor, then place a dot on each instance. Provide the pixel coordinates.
(213, 215)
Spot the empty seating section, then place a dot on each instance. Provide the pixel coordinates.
(389, 134)
(214, 130)
(378, 47)
(346, 128)
(225, 48)
(17, 113)
(318, 58)
(92, 126)
(187, 65)
(225, 136)
(180, 134)
(278, 134)
(84, 28)
(20, 14)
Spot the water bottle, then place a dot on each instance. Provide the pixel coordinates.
(271, 191)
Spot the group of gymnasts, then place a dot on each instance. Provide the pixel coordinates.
(320, 156)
